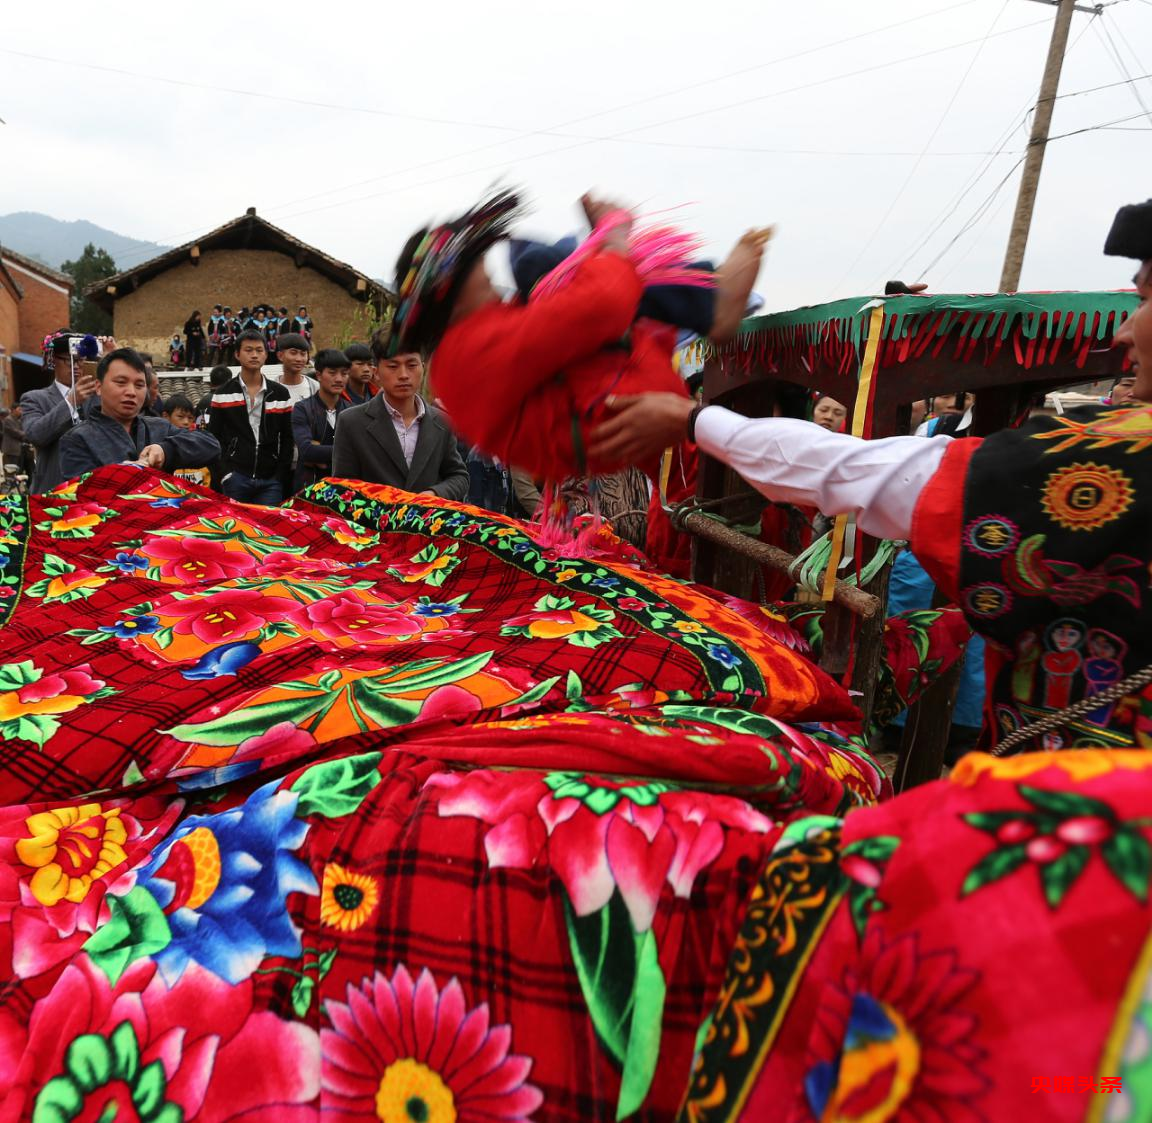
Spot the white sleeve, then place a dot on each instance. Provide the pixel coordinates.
(799, 462)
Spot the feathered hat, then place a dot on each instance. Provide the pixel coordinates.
(435, 263)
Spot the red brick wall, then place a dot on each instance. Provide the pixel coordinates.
(44, 308)
(9, 338)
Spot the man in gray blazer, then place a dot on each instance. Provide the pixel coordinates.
(397, 438)
(51, 412)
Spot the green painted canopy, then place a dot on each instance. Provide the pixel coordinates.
(1041, 326)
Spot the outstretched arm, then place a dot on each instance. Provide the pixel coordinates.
(785, 459)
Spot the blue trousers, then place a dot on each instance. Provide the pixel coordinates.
(246, 489)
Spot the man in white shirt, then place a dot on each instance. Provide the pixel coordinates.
(293, 351)
(51, 412)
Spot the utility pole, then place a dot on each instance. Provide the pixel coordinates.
(1037, 143)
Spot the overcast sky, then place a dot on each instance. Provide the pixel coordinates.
(813, 115)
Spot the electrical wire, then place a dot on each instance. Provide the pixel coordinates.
(894, 201)
(1097, 128)
(520, 133)
(980, 211)
(1019, 121)
(585, 141)
(1110, 45)
(900, 264)
(987, 203)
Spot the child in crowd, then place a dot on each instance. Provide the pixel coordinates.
(217, 376)
(215, 323)
(176, 350)
(229, 330)
(293, 351)
(546, 365)
(360, 371)
(179, 411)
(271, 332)
(251, 417)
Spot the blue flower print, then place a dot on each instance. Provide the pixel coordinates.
(224, 660)
(171, 501)
(223, 881)
(132, 626)
(604, 582)
(721, 654)
(436, 609)
(129, 563)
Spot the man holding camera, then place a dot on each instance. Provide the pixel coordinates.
(51, 412)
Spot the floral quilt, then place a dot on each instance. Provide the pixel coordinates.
(369, 807)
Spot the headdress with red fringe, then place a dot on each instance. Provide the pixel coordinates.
(436, 262)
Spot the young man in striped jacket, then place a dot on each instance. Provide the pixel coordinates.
(252, 419)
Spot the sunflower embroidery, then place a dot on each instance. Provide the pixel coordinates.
(347, 898)
(1086, 496)
(408, 1051)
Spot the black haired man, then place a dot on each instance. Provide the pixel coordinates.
(120, 431)
(251, 417)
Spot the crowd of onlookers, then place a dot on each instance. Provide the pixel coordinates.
(356, 413)
(214, 342)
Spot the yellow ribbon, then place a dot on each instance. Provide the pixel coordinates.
(859, 415)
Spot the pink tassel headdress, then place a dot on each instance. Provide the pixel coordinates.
(662, 255)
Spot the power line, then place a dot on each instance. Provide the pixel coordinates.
(1020, 120)
(520, 133)
(1098, 128)
(1106, 38)
(617, 136)
(923, 152)
(980, 211)
(900, 264)
(584, 141)
(1107, 86)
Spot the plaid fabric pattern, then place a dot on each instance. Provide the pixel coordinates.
(367, 788)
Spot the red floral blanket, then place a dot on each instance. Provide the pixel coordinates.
(370, 808)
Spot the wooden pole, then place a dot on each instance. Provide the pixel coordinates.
(852, 598)
(1037, 143)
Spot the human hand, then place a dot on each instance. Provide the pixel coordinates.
(107, 344)
(597, 210)
(426, 491)
(152, 456)
(85, 386)
(643, 426)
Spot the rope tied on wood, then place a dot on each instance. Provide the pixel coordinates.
(690, 517)
(1106, 697)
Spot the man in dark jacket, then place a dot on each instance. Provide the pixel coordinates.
(251, 417)
(397, 439)
(119, 431)
(314, 418)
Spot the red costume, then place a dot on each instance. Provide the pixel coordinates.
(527, 382)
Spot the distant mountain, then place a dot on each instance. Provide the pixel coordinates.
(54, 242)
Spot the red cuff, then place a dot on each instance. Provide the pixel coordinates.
(938, 520)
